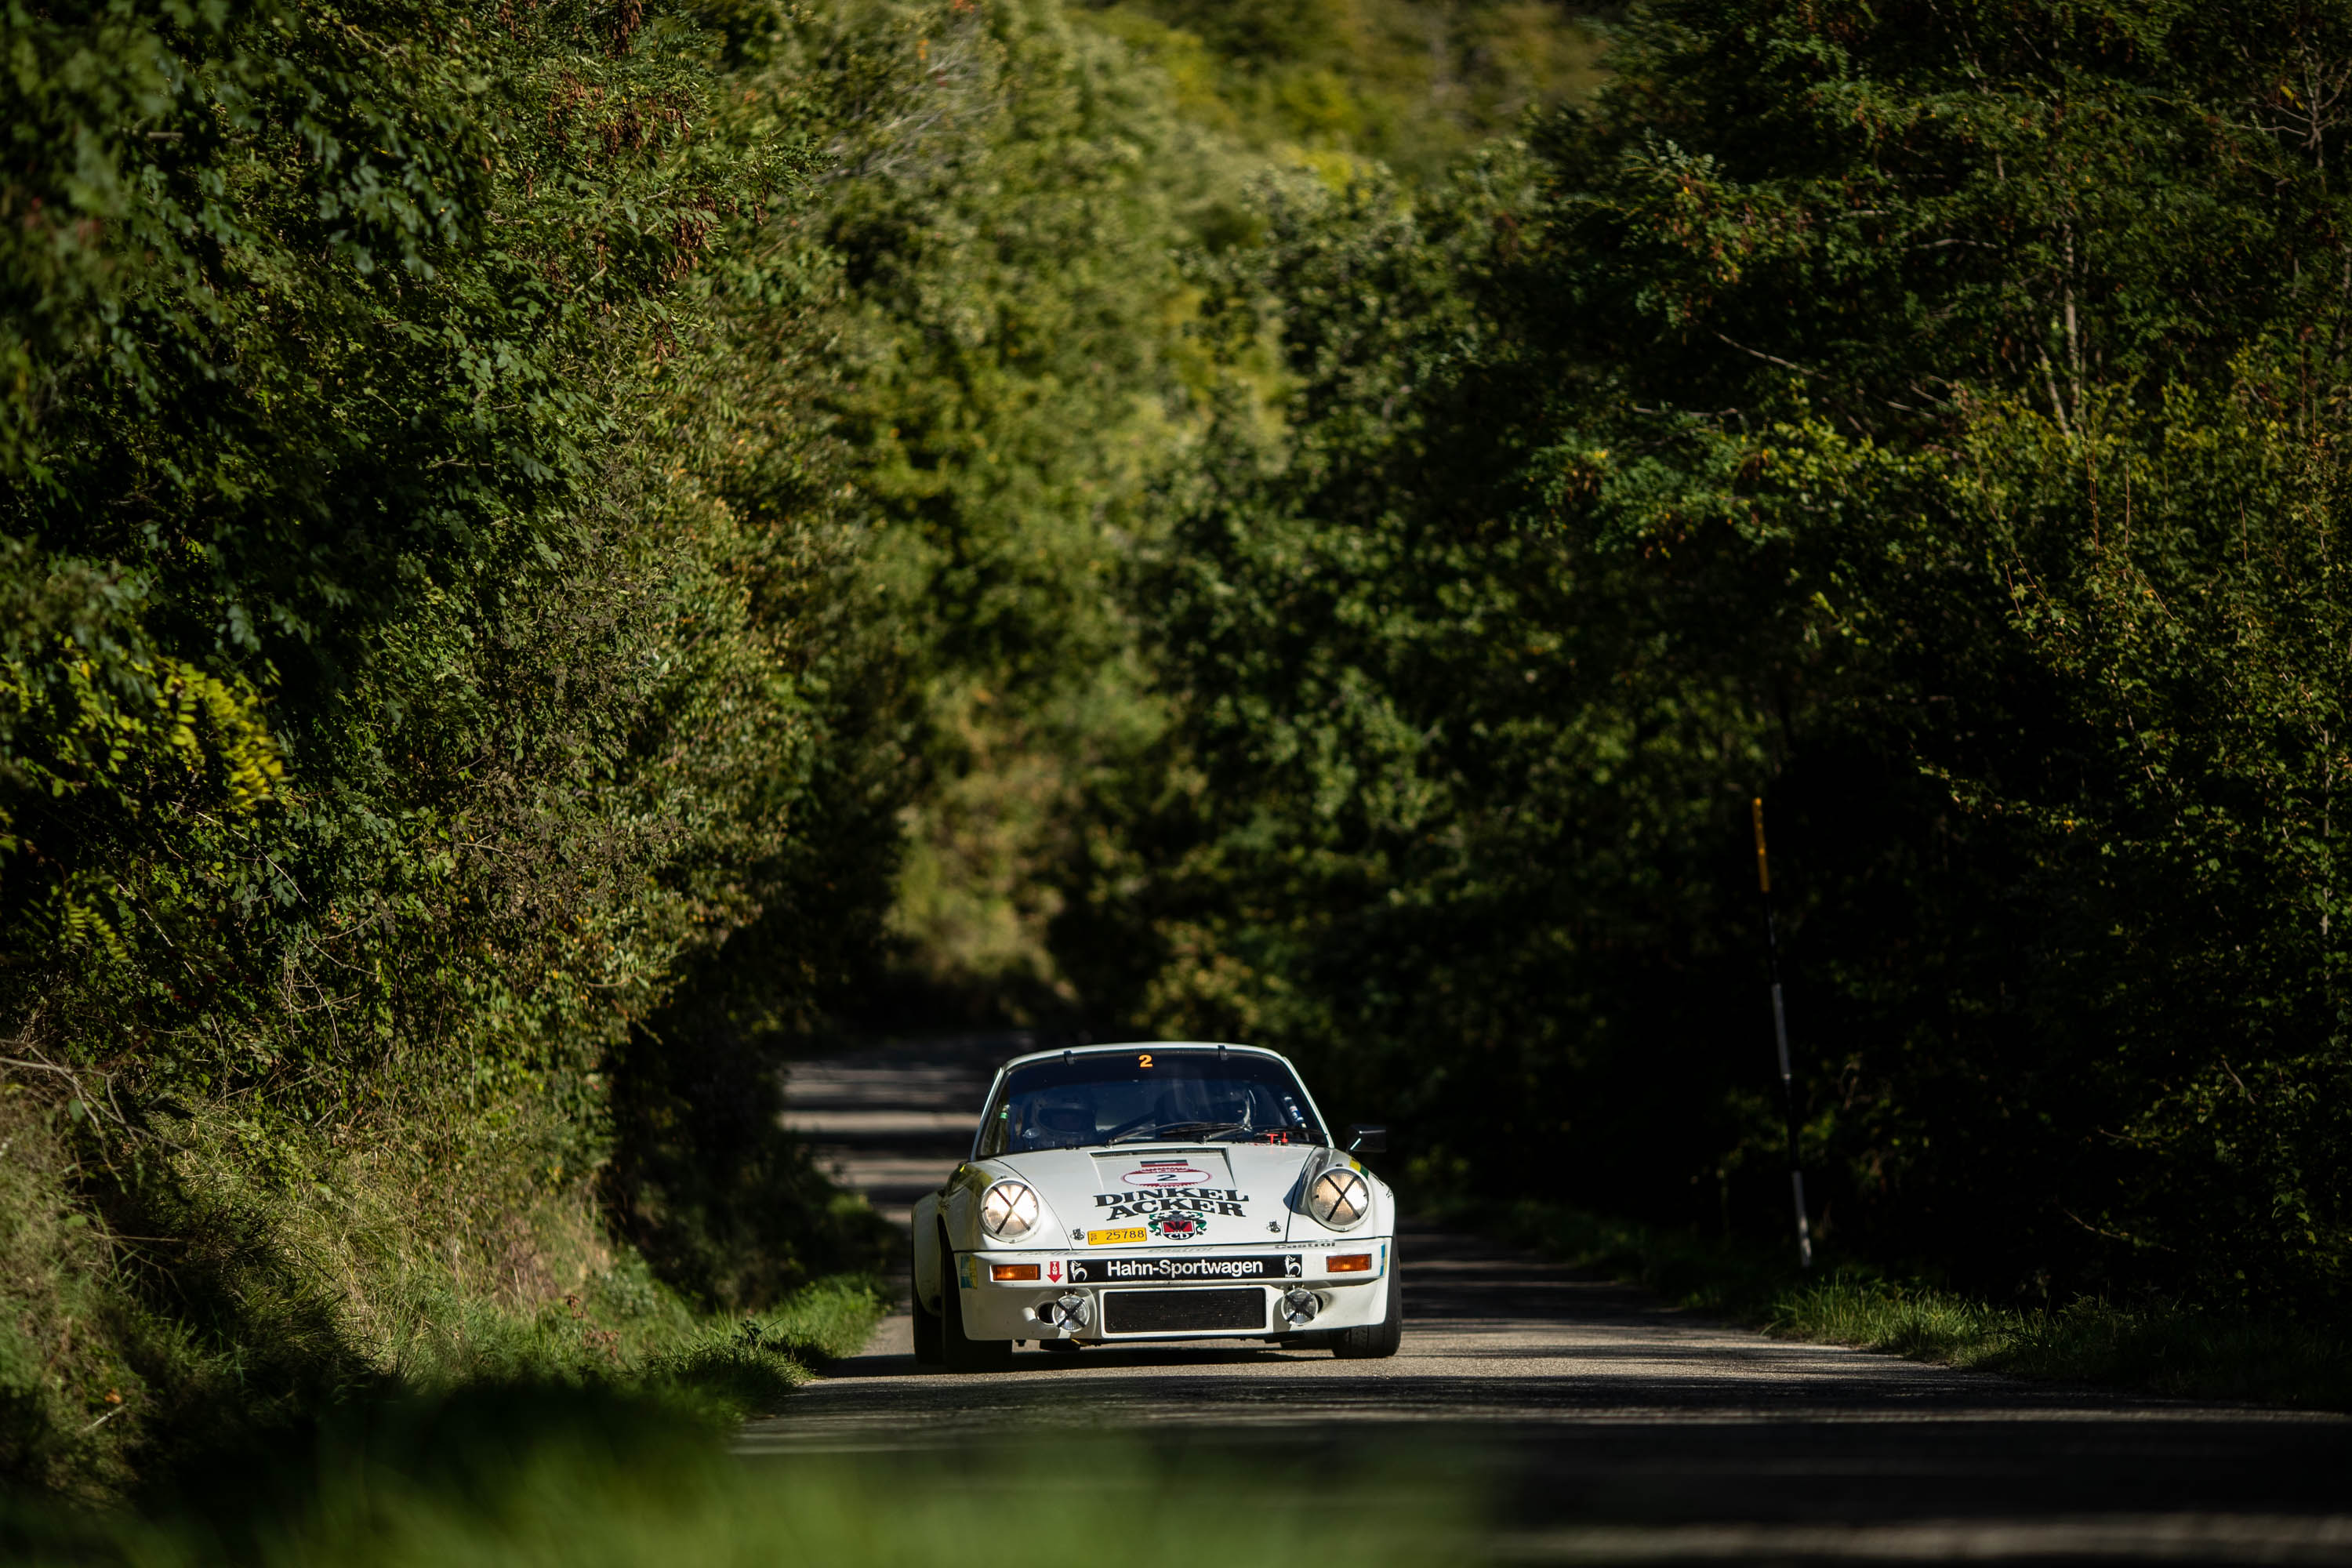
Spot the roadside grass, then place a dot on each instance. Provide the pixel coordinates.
(588, 1477)
(245, 1277)
(729, 1373)
(832, 1318)
(2173, 1349)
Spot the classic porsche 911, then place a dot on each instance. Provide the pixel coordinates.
(1155, 1192)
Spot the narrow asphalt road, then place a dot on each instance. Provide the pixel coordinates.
(1602, 1424)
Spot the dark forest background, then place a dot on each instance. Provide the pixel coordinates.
(557, 553)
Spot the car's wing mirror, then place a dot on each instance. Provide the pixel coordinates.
(1367, 1138)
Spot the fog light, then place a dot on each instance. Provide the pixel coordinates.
(1299, 1307)
(1349, 1263)
(1014, 1271)
(1071, 1311)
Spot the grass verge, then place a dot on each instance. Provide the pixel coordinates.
(2172, 1348)
(729, 1373)
(165, 1301)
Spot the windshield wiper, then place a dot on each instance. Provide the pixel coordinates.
(1180, 1130)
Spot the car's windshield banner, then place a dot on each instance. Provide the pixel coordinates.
(1113, 1270)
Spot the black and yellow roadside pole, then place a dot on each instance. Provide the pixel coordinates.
(1780, 1036)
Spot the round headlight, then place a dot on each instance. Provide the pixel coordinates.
(1009, 1211)
(1339, 1198)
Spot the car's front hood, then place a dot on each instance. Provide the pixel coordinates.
(1213, 1194)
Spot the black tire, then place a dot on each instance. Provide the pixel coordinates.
(961, 1353)
(1381, 1339)
(930, 1347)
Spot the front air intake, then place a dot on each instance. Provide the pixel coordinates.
(1183, 1311)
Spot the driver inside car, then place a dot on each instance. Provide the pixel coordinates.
(1226, 1103)
(1060, 1124)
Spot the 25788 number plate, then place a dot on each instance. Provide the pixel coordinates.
(1113, 1271)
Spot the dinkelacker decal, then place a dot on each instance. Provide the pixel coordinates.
(1177, 1227)
(1110, 1270)
(1171, 1200)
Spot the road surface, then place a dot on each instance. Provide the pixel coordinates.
(1603, 1425)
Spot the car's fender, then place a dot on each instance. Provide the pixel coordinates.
(956, 1207)
(960, 1201)
(929, 1266)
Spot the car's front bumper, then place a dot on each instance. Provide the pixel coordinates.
(1072, 1298)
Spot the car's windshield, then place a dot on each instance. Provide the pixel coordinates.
(1146, 1095)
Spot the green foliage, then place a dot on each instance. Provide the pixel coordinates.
(1009, 381)
(1413, 84)
(354, 399)
(511, 518)
(1031, 203)
(1928, 423)
(1989, 399)
(424, 652)
(1427, 762)
(699, 1179)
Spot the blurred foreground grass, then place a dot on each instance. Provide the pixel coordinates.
(2166, 1348)
(585, 1477)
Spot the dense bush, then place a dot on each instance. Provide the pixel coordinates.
(390, 659)
(412, 665)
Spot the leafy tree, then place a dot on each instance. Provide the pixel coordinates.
(1923, 419)
(421, 656)
(1412, 84)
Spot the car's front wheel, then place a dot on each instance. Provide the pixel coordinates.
(1381, 1339)
(963, 1354)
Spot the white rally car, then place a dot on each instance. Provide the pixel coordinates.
(1155, 1192)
